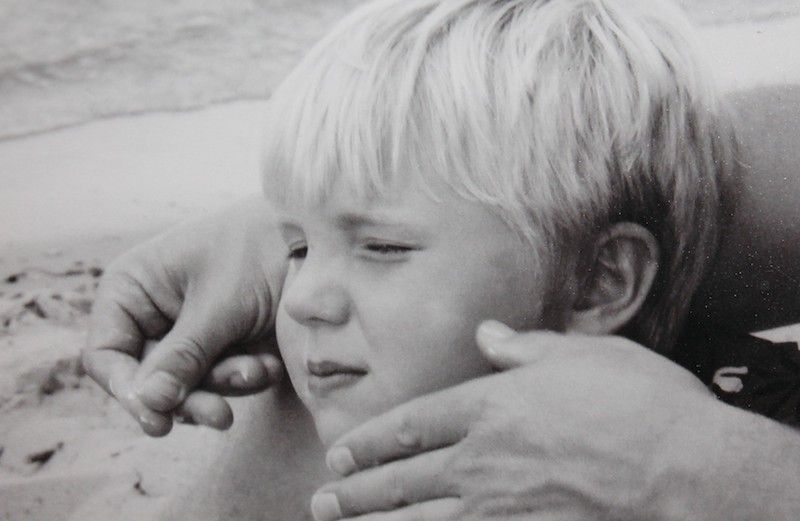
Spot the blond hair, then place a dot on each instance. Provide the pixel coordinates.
(562, 116)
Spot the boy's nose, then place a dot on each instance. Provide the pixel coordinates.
(314, 298)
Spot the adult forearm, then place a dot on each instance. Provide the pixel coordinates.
(738, 466)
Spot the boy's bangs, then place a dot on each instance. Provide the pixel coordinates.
(384, 100)
(332, 123)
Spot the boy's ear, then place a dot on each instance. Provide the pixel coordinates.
(614, 281)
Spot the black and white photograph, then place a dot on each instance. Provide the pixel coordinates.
(400, 260)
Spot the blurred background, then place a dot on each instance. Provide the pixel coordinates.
(66, 63)
(63, 62)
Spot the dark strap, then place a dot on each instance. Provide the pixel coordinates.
(748, 372)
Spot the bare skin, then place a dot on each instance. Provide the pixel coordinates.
(487, 451)
(169, 282)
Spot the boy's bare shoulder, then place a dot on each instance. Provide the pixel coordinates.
(266, 467)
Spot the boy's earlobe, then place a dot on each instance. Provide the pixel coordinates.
(615, 281)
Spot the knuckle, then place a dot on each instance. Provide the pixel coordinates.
(89, 366)
(407, 433)
(118, 288)
(117, 272)
(485, 407)
(462, 471)
(87, 360)
(124, 282)
(192, 358)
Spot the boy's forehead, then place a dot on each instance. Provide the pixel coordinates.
(336, 185)
(352, 205)
(406, 205)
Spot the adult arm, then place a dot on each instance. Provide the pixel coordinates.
(590, 428)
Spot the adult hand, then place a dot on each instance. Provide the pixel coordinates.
(590, 429)
(203, 289)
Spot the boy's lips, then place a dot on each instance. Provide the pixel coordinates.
(327, 375)
(324, 368)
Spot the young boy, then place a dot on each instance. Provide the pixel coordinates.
(548, 164)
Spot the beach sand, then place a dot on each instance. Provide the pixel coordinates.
(75, 198)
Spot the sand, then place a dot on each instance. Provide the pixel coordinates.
(75, 198)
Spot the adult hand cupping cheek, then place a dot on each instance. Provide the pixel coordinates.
(204, 288)
(590, 428)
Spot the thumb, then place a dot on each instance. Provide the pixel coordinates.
(506, 349)
(180, 360)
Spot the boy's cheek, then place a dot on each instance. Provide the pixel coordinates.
(291, 354)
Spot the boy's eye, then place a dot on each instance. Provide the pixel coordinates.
(381, 248)
(298, 252)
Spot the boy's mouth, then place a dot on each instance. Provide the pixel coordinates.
(325, 376)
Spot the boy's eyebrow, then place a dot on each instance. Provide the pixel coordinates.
(356, 219)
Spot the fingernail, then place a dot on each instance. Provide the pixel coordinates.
(340, 460)
(153, 424)
(149, 420)
(495, 330)
(325, 507)
(239, 380)
(274, 369)
(161, 390)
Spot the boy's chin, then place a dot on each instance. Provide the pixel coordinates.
(332, 426)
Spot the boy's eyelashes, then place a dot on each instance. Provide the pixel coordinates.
(385, 248)
(298, 252)
(378, 249)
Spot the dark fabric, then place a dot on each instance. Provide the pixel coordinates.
(748, 372)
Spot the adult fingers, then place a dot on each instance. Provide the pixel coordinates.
(505, 349)
(234, 376)
(444, 509)
(242, 375)
(420, 425)
(387, 487)
(182, 358)
(117, 376)
(123, 317)
(205, 408)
